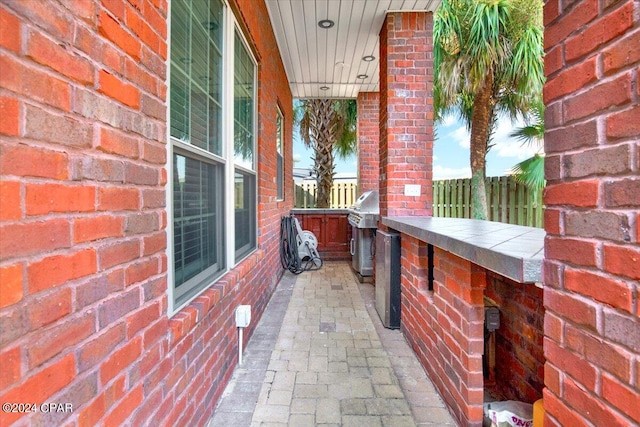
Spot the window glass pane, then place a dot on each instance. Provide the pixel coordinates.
(215, 73)
(200, 10)
(243, 95)
(280, 177)
(180, 70)
(280, 159)
(180, 30)
(196, 77)
(279, 124)
(197, 221)
(214, 28)
(215, 22)
(199, 80)
(179, 104)
(215, 99)
(215, 127)
(245, 213)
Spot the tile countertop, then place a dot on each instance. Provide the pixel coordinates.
(514, 251)
(318, 211)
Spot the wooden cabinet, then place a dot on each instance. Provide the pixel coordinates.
(332, 230)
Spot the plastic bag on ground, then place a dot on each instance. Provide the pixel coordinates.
(510, 413)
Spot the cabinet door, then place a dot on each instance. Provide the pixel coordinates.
(336, 233)
(314, 224)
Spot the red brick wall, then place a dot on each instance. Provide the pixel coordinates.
(368, 141)
(406, 112)
(592, 265)
(445, 326)
(83, 265)
(519, 371)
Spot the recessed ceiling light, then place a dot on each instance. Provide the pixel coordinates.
(362, 76)
(324, 87)
(368, 58)
(326, 23)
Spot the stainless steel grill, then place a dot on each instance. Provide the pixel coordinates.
(363, 217)
(365, 213)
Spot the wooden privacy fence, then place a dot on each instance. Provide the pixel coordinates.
(343, 194)
(508, 201)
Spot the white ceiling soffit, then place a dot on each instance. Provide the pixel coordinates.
(316, 58)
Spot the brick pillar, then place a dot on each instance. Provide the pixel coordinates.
(592, 249)
(406, 113)
(368, 141)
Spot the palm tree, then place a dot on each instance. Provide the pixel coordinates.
(531, 171)
(487, 61)
(328, 126)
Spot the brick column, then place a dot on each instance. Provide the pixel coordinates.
(406, 113)
(368, 141)
(592, 249)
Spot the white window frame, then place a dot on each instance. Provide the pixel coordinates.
(230, 203)
(230, 24)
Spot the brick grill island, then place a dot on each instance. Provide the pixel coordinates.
(444, 322)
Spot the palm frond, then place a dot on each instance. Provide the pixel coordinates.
(305, 130)
(529, 135)
(526, 68)
(345, 145)
(533, 133)
(446, 50)
(530, 172)
(485, 45)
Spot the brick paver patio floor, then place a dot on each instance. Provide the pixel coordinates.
(321, 357)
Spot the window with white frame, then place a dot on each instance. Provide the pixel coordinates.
(243, 146)
(280, 157)
(212, 122)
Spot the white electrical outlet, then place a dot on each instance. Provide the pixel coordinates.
(243, 316)
(412, 189)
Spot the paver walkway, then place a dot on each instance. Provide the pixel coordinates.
(324, 359)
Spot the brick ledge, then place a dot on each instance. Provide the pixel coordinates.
(188, 317)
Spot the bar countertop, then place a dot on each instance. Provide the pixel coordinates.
(318, 211)
(514, 251)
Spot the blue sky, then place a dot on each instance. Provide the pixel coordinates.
(450, 153)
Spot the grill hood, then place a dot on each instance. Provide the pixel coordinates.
(366, 211)
(368, 202)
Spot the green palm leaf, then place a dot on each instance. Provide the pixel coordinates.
(530, 172)
(487, 61)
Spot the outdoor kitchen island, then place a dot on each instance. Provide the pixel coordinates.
(473, 265)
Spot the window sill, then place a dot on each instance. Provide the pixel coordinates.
(186, 319)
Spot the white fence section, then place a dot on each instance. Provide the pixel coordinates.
(343, 194)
